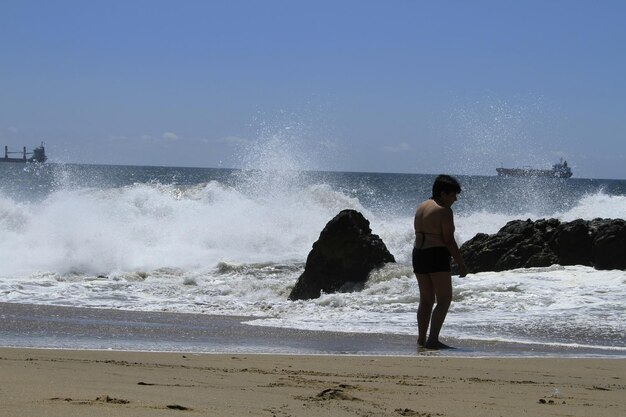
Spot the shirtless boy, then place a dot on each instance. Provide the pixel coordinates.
(434, 244)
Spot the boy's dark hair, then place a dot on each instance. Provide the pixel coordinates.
(445, 183)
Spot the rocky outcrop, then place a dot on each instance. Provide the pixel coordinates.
(342, 257)
(600, 243)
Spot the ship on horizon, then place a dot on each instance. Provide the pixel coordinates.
(559, 170)
(37, 155)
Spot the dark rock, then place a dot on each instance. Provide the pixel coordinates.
(609, 243)
(343, 256)
(572, 243)
(600, 243)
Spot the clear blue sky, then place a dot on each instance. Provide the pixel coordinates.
(385, 86)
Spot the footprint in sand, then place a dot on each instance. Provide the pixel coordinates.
(411, 413)
(336, 394)
(105, 399)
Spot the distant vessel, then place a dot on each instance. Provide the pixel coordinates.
(38, 155)
(560, 170)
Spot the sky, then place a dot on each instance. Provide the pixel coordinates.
(400, 86)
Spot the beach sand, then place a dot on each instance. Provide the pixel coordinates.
(112, 383)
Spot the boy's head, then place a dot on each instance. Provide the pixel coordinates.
(447, 184)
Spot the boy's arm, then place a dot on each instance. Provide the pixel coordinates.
(447, 226)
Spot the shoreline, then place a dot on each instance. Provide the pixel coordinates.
(103, 383)
(92, 329)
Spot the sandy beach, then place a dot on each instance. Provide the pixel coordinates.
(64, 361)
(110, 383)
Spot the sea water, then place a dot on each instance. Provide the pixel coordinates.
(233, 242)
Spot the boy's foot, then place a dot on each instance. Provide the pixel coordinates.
(437, 346)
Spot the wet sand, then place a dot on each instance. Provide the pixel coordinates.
(109, 383)
(40, 326)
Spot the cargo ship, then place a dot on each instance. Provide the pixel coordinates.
(560, 170)
(37, 155)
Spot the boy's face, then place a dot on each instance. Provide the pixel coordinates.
(448, 198)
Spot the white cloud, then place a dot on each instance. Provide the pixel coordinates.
(170, 136)
(234, 140)
(400, 147)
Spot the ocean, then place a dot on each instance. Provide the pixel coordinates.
(233, 242)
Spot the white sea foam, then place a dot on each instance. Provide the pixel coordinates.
(598, 204)
(149, 226)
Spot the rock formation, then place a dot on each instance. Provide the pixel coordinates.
(600, 243)
(342, 257)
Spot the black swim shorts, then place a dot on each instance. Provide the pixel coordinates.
(435, 259)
